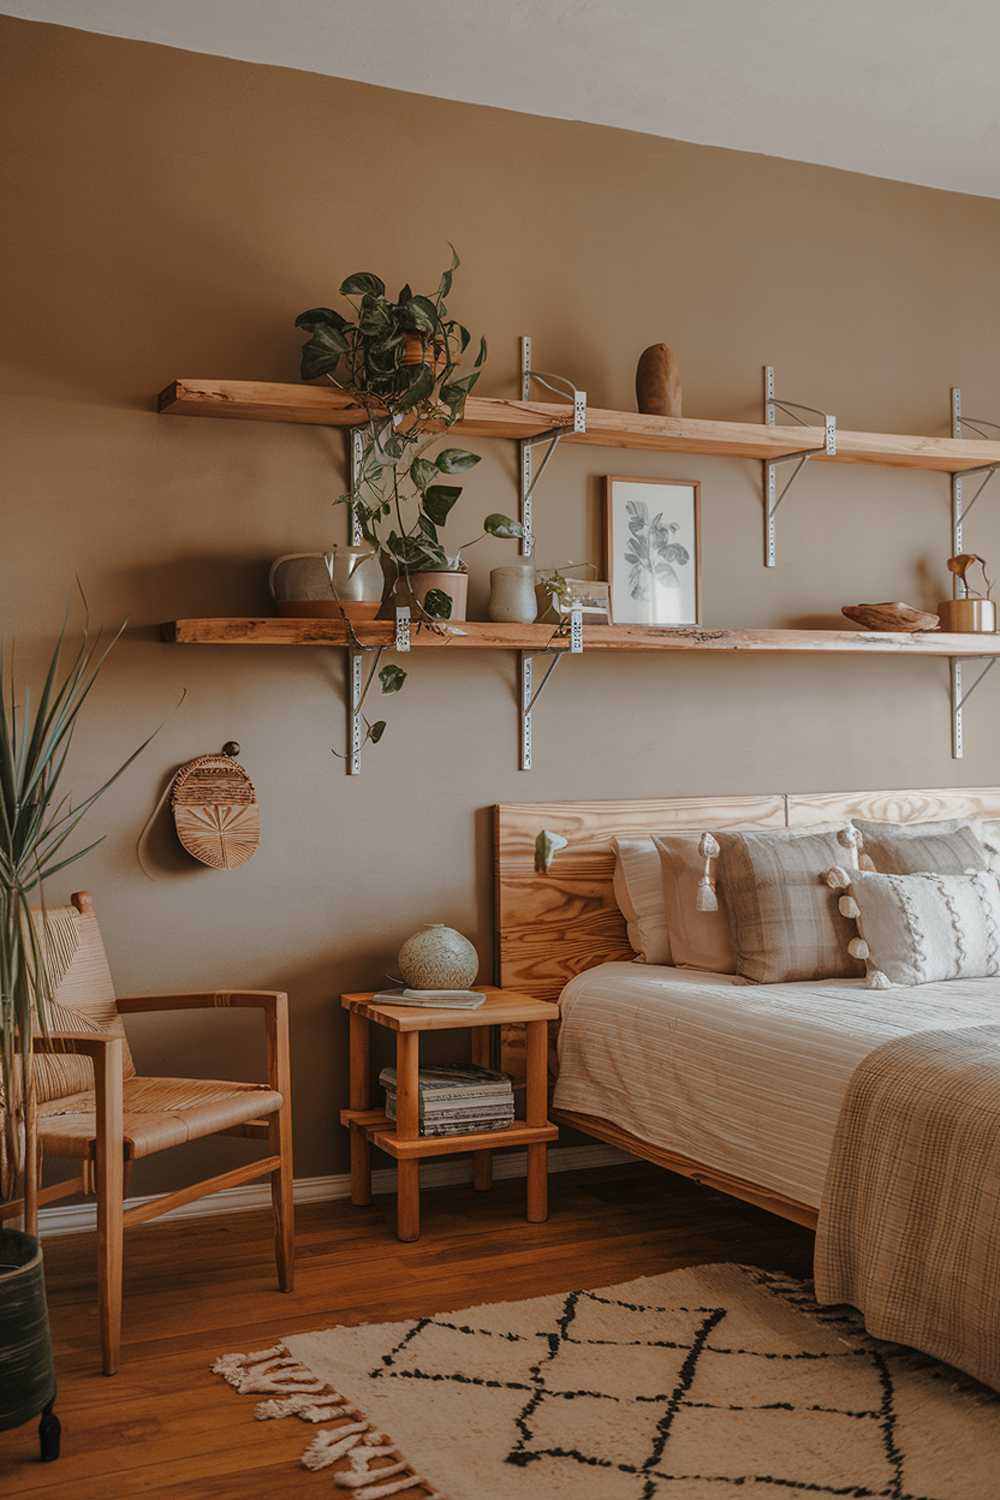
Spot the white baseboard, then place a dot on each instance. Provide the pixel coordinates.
(82, 1216)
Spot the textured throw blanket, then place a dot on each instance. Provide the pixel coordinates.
(909, 1226)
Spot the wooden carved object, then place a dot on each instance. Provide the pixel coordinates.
(658, 382)
(216, 812)
(890, 617)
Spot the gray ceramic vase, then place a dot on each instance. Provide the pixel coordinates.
(438, 958)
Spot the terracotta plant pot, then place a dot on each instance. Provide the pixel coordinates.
(417, 353)
(27, 1372)
(455, 585)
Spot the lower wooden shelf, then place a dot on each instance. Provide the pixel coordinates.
(518, 1134)
(484, 635)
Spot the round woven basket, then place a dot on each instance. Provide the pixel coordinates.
(215, 811)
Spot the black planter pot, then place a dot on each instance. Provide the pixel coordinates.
(27, 1372)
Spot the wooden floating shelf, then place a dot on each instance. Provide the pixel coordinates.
(262, 401)
(481, 635)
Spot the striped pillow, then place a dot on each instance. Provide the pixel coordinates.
(783, 916)
(951, 847)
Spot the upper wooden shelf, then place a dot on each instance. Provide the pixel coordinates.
(484, 635)
(486, 416)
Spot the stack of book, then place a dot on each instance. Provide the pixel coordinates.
(457, 1099)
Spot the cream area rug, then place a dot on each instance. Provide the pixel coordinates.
(700, 1384)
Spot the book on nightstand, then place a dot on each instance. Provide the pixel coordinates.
(433, 999)
(457, 1099)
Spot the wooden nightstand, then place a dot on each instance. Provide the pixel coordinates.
(403, 1140)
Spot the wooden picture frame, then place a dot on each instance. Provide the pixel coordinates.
(638, 597)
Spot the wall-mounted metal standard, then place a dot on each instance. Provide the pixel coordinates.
(529, 476)
(959, 508)
(959, 699)
(772, 497)
(529, 694)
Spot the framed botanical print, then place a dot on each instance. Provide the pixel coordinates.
(653, 537)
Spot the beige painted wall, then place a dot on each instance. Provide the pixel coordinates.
(170, 214)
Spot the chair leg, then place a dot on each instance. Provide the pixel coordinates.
(279, 1074)
(282, 1198)
(110, 1175)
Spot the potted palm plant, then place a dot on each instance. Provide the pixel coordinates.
(37, 821)
(400, 359)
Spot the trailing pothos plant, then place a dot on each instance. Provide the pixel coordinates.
(401, 360)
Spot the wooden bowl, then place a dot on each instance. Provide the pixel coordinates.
(890, 617)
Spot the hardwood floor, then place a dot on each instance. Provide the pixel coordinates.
(197, 1289)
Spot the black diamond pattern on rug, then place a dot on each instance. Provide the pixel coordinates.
(657, 1426)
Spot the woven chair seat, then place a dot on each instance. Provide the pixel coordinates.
(159, 1112)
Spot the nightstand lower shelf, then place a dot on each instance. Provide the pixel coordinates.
(519, 1134)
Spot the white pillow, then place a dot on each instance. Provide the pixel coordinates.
(917, 929)
(638, 886)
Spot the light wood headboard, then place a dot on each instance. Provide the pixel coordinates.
(552, 926)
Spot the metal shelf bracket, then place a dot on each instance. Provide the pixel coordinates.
(529, 475)
(960, 507)
(772, 496)
(959, 699)
(529, 694)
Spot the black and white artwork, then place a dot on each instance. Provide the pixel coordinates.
(653, 558)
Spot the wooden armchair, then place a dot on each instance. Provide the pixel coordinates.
(120, 1117)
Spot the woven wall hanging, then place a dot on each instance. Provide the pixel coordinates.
(215, 810)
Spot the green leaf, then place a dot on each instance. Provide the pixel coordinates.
(391, 678)
(376, 731)
(423, 473)
(503, 526)
(421, 385)
(420, 314)
(426, 525)
(454, 460)
(362, 282)
(481, 356)
(315, 316)
(438, 604)
(444, 285)
(376, 321)
(324, 351)
(438, 501)
(405, 293)
(411, 552)
(455, 262)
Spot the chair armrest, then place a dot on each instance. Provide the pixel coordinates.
(205, 1000)
(99, 1048)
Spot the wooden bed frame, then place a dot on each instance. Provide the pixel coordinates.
(551, 926)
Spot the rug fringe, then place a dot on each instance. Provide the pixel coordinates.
(296, 1392)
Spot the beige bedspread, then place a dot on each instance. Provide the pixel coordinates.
(909, 1227)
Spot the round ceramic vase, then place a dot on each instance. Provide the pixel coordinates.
(438, 958)
(512, 594)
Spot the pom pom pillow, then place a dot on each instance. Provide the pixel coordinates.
(916, 929)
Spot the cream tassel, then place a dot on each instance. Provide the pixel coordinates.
(851, 838)
(837, 878)
(327, 1447)
(706, 899)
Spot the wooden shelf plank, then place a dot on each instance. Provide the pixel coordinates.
(480, 635)
(518, 1134)
(269, 401)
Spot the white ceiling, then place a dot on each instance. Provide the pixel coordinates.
(895, 88)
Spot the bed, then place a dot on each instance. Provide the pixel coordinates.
(736, 1086)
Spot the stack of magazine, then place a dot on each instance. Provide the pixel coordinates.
(457, 1099)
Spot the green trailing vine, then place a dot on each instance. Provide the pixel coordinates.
(401, 360)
